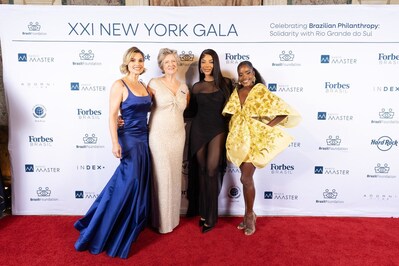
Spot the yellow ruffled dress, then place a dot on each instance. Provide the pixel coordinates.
(250, 139)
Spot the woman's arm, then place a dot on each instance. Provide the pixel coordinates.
(115, 99)
(276, 120)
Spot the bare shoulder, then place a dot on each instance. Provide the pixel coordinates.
(117, 86)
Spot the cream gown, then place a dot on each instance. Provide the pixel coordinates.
(166, 140)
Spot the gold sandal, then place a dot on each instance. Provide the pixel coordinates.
(250, 225)
(242, 225)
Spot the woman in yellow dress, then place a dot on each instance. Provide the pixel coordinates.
(255, 136)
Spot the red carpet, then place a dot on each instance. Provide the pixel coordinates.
(48, 240)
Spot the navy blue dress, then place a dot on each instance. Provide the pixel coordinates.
(120, 212)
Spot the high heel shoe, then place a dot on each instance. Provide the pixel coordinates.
(201, 222)
(250, 224)
(206, 228)
(242, 225)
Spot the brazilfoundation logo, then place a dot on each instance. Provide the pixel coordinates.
(330, 196)
(43, 194)
(333, 143)
(89, 142)
(46, 192)
(33, 28)
(269, 195)
(86, 58)
(334, 116)
(274, 87)
(333, 194)
(388, 59)
(386, 116)
(87, 87)
(381, 170)
(186, 58)
(337, 60)
(32, 58)
(384, 143)
(286, 58)
(321, 170)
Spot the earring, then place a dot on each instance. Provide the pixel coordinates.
(254, 80)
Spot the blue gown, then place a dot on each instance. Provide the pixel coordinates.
(120, 212)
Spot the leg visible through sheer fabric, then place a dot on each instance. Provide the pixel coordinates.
(209, 159)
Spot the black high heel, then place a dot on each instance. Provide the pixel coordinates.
(206, 228)
(201, 222)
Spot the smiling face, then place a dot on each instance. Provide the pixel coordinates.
(207, 65)
(246, 76)
(169, 64)
(136, 64)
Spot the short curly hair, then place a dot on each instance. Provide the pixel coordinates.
(163, 53)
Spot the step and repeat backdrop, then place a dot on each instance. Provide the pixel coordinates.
(337, 65)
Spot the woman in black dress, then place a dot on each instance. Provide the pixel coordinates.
(207, 140)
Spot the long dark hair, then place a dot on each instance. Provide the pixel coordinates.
(219, 80)
(258, 76)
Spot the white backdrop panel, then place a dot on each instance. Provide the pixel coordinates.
(337, 65)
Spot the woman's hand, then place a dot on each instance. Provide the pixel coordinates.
(120, 121)
(117, 150)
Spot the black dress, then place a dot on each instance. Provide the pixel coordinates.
(207, 123)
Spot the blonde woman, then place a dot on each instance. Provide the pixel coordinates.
(120, 212)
